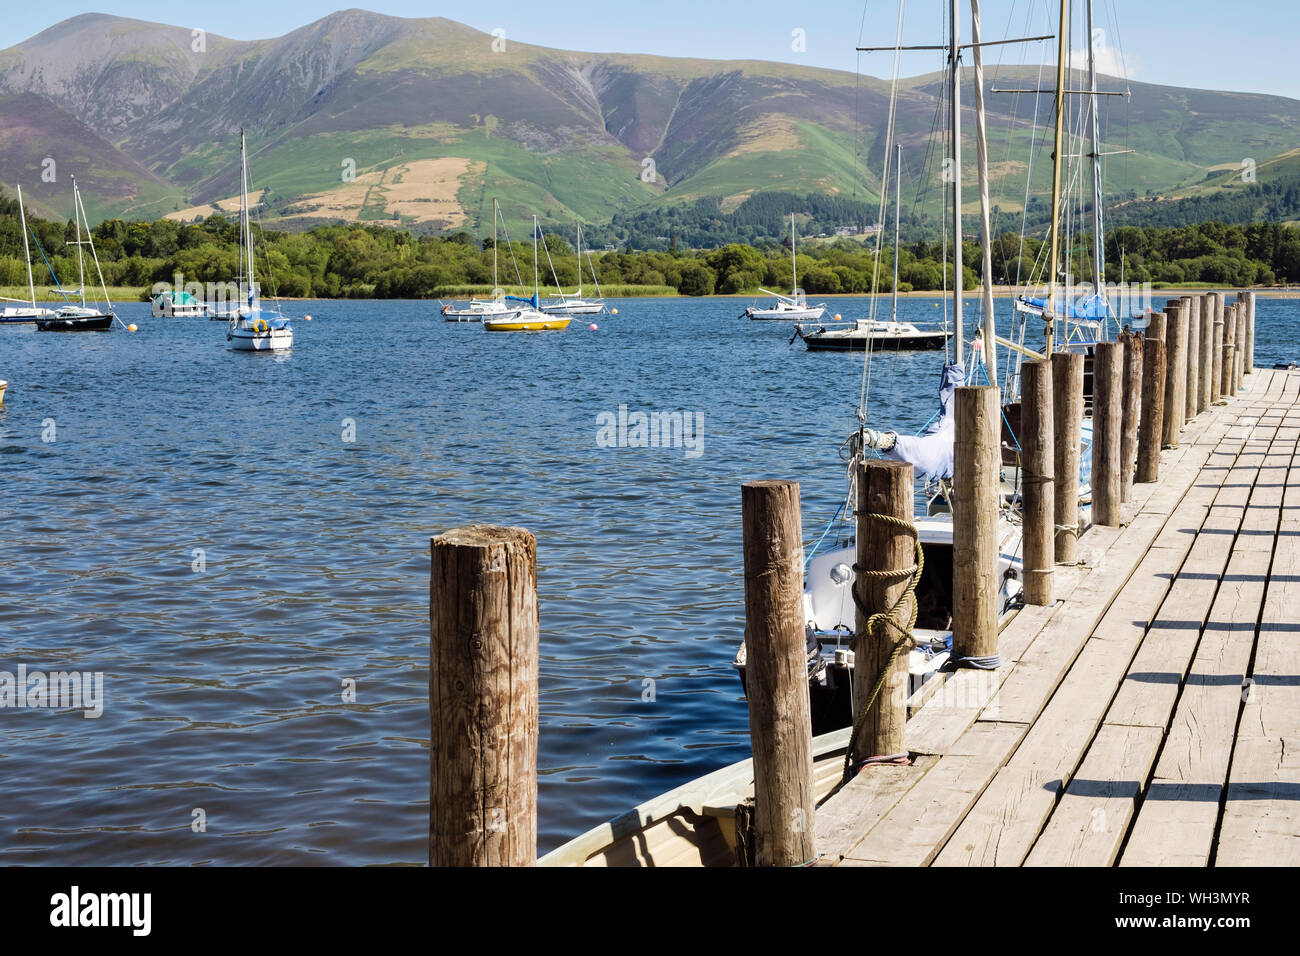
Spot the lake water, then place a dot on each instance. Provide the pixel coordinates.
(224, 737)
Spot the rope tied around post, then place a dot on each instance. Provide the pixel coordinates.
(881, 621)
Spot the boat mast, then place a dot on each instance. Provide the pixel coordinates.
(248, 219)
(495, 285)
(794, 266)
(81, 270)
(1057, 149)
(990, 336)
(536, 289)
(27, 251)
(1097, 247)
(578, 294)
(898, 206)
(955, 173)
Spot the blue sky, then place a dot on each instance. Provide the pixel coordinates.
(1244, 45)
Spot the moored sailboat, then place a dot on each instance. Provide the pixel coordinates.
(794, 306)
(30, 312)
(81, 318)
(251, 327)
(531, 318)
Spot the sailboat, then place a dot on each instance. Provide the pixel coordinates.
(530, 319)
(891, 335)
(572, 303)
(251, 327)
(81, 318)
(24, 313)
(828, 606)
(794, 306)
(478, 308)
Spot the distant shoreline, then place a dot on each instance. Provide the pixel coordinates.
(121, 294)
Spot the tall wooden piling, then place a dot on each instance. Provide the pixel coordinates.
(1036, 482)
(1067, 438)
(977, 490)
(483, 654)
(1192, 306)
(1216, 373)
(776, 674)
(1175, 372)
(1248, 299)
(1240, 343)
(1151, 427)
(1216, 385)
(1107, 416)
(1229, 366)
(1132, 411)
(1204, 389)
(885, 551)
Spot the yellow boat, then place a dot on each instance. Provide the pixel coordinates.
(527, 321)
(530, 319)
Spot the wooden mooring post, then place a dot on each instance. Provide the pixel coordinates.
(1192, 308)
(1229, 366)
(1230, 338)
(885, 553)
(977, 491)
(1067, 437)
(1132, 413)
(776, 674)
(1175, 372)
(483, 658)
(1248, 299)
(1151, 426)
(1204, 389)
(1107, 416)
(1240, 344)
(1216, 350)
(1038, 505)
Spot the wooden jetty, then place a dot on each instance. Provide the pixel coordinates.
(1141, 709)
(1151, 716)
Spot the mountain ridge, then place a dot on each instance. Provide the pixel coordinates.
(568, 134)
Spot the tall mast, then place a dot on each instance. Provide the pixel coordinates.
(794, 268)
(248, 219)
(1097, 247)
(81, 270)
(535, 286)
(898, 207)
(495, 285)
(986, 231)
(1057, 148)
(27, 251)
(955, 172)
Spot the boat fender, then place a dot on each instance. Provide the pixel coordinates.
(260, 325)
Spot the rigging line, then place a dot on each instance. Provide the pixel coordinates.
(865, 386)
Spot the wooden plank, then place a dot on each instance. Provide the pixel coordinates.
(1261, 818)
(1089, 823)
(1176, 824)
(1002, 826)
(864, 800)
(910, 834)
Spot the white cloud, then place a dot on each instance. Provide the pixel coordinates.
(1110, 60)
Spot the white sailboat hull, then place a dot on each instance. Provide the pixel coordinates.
(795, 314)
(574, 308)
(251, 340)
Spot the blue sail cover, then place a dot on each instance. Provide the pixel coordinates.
(1092, 309)
(930, 453)
(531, 300)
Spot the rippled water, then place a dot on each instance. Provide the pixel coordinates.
(223, 685)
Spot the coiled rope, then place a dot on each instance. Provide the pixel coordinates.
(882, 621)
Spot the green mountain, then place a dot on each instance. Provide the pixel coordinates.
(361, 117)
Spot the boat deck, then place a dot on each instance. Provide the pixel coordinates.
(1151, 717)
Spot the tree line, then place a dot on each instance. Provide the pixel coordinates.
(375, 261)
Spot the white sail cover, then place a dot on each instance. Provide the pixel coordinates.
(930, 453)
